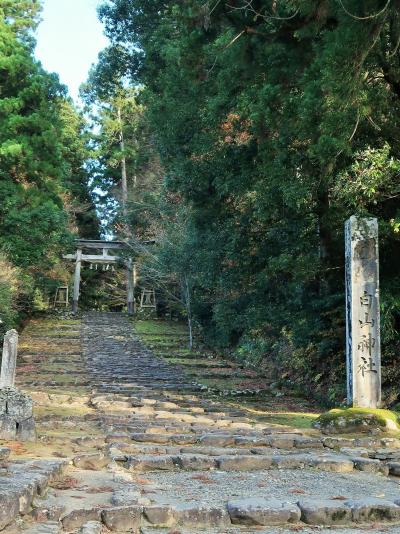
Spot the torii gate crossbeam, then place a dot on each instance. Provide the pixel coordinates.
(92, 245)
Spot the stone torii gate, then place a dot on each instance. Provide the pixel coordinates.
(87, 250)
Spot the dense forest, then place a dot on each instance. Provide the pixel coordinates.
(44, 195)
(244, 134)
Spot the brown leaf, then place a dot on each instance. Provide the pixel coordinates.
(65, 483)
(203, 478)
(297, 490)
(339, 498)
(101, 489)
(142, 481)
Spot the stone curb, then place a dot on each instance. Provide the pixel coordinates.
(276, 441)
(252, 462)
(243, 513)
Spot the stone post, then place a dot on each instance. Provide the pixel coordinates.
(9, 359)
(363, 352)
(16, 407)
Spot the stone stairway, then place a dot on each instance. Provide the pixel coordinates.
(149, 453)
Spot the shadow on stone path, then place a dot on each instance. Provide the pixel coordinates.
(119, 363)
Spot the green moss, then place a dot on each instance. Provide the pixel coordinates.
(291, 419)
(358, 416)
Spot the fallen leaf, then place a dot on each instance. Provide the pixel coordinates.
(65, 483)
(203, 478)
(297, 490)
(339, 498)
(142, 481)
(101, 489)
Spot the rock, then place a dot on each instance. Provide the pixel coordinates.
(390, 442)
(199, 516)
(118, 437)
(291, 461)
(77, 518)
(151, 438)
(16, 420)
(91, 441)
(303, 442)
(371, 509)
(15, 404)
(26, 430)
(358, 452)
(370, 466)
(93, 462)
(160, 516)
(355, 420)
(252, 440)
(336, 443)
(282, 441)
(122, 519)
(243, 463)
(4, 453)
(324, 512)
(92, 527)
(8, 428)
(263, 512)
(125, 497)
(386, 454)
(9, 509)
(217, 440)
(184, 439)
(394, 468)
(198, 462)
(332, 463)
(14, 528)
(151, 463)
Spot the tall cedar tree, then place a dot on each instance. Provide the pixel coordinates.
(275, 121)
(41, 165)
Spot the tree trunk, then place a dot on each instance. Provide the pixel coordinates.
(124, 179)
(189, 312)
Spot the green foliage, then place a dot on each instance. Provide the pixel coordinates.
(274, 122)
(42, 156)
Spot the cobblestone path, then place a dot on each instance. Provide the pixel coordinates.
(146, 452)
(119, 363)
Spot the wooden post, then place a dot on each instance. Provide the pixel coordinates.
(130, 286)
(77, 280)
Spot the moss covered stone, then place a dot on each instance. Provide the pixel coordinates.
(349, 420)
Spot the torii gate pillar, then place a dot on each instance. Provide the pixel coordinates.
(77, 280)
(130, 287)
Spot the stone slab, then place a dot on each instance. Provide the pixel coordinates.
(262, 512)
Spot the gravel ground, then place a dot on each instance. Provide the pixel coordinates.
(217, 487)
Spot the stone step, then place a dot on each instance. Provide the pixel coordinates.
(21, 483)
(249, 512)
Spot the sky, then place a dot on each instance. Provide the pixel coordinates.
(69, 39)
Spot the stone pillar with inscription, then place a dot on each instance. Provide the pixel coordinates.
(363, 351)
